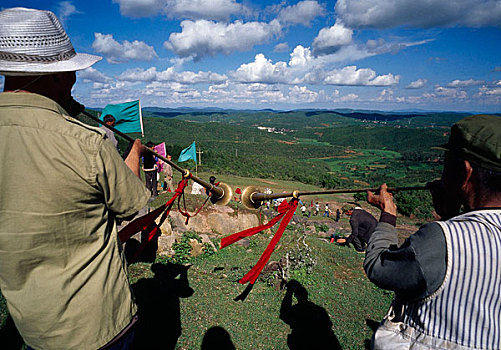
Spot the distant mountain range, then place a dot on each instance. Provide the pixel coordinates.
(354, 113)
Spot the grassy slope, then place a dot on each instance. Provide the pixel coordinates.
(337, 284)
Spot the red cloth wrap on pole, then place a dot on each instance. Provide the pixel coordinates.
(148, 221)
(286, 211)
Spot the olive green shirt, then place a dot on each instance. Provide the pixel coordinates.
(62, 185)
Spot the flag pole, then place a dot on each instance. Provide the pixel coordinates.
(196, 166)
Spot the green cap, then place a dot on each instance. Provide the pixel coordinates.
(478, 139)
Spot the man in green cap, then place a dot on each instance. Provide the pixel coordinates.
(447, 276)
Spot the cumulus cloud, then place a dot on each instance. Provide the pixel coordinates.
(93, 75)
(300, 57)
(465, 83)
(421, 14)
(262, 70)
(126, 51)
(192, 9)
(170, 74)
(350, 75)
(203, 38)
(301, 13)
(450, 92)
(330, 40)
(489, 91)
(301, 94)
(417, 84)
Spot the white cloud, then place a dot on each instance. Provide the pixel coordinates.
(138, 74)
(203, 9)
(484, 90)
(422, 14)
(64, 10)
(301, 94)
(93, 75)
(262, 70)
(380, 46)
(348, 98)
(281, 47)
(417, 84)
(450, 92)
(330, 40)
(350, 75)
(192, 9)
(140, 8)
(465, 83)
(385, 96)
(301, 13)
(300, 57)
(170, 74)
(203, 38)
(116, 52)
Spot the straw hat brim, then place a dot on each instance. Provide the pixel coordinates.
(78, 62)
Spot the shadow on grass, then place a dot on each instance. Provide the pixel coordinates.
(310, 324)
(159, 325)
(217, 338)
(373, 325)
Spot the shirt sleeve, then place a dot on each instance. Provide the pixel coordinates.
(414, 270)
(124, 193)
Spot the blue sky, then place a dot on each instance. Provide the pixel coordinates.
(363, 54)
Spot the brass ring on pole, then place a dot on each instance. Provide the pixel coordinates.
(295, 194)
(186, 173)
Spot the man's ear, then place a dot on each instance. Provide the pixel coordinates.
(468, 171)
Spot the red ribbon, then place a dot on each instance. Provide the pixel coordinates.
(286, 211)
(147, 222)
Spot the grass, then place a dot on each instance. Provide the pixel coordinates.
(337, 284)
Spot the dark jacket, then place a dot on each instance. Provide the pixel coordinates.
(362, 224)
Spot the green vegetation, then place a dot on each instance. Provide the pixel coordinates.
(336, 283)
(329, 149)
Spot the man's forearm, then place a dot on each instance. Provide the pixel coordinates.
(134, 156)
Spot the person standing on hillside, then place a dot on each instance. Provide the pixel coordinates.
(108, 119)
(447, 276)
(327, 211)
(62, 269)
(150, 171)
(167, 170)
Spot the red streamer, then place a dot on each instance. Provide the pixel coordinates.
(286, 211)
(147, 222)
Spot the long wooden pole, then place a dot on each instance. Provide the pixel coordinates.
(263, 196)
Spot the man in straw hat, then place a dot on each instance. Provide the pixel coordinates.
(446, 276)
(62, 269)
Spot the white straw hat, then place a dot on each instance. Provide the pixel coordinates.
(33, 42)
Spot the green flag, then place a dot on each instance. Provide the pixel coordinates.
(128, 116)
(188, 153)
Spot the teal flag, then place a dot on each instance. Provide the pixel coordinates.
(128, 116)
(188, 153)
